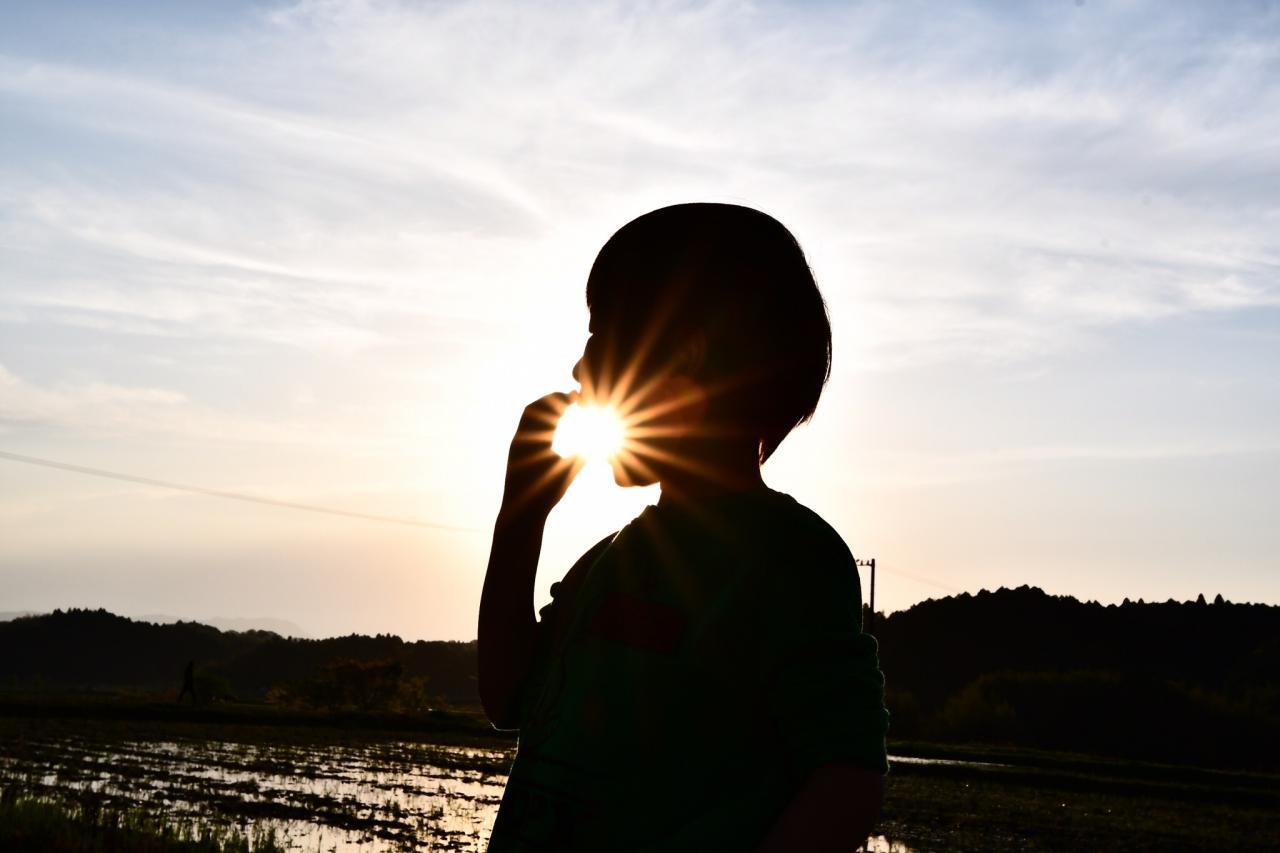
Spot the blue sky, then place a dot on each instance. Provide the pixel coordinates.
(324, 252)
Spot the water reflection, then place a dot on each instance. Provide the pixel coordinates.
(880, 844)
(941, 762)
(372, 796)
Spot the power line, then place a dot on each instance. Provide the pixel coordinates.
(871, 564)
(220, 493)
(241, 496)
(923, 580)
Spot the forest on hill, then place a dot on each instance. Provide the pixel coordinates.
(97, 650)
(1172, 681)
(1186, 682)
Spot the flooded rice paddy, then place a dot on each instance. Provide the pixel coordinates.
(330, 790)
(331, 797)
(381, 796)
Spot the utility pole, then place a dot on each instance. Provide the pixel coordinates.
(871, 615)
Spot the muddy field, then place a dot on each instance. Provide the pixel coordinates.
(321, 789)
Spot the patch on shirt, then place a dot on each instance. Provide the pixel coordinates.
(639, 623)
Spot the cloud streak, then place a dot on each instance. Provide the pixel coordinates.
(1038, 175)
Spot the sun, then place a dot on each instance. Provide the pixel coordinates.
(592, 432)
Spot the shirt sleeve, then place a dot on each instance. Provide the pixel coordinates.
(822, 682)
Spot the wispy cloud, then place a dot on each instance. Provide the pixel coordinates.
(112, 412)
(966, 169)
(94, 402)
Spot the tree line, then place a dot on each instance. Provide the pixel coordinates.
(1192, 681)
(97, 650)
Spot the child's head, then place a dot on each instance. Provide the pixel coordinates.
(720, 296)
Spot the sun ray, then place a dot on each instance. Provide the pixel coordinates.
(672, 460)
(631, 463)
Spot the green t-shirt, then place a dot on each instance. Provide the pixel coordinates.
(691, 672)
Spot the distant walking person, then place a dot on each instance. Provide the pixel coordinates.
(189, 683)
(700, 680)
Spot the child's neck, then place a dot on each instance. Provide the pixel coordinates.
(729, 474)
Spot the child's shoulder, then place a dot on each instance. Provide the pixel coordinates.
(799, 557)
(762, 527)
(809, 530)
(792, 544)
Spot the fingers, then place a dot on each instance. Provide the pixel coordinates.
(538, 481)
(549, 408)
(555, 402)
(538, 422)
(537, 477)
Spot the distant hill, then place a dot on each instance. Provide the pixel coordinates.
(1194, 682)
(1174, 680)
(283, 627)
(94, 649)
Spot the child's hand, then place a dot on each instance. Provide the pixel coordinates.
(537, 477)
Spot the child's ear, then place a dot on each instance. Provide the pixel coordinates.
(684, 388)
(688, 399)
(693, 355)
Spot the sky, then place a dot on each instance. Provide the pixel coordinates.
(325, 252)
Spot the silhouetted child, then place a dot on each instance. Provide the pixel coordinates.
(700, 680)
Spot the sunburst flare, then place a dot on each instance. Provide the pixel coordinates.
(595, 433)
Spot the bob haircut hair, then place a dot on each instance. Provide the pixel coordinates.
(731, 284)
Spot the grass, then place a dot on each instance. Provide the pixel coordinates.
(85, 825)
(440, 725)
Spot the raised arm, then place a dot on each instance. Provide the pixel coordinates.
(536, 480)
